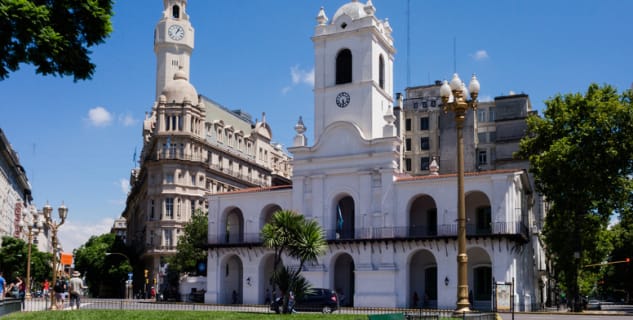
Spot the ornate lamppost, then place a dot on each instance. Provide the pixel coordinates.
(34, 228)
(454, 99)
(53, 226)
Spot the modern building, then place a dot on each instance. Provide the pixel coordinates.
(192, 147)
(391, 230)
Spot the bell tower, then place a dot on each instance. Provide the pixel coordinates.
(353, 69)
(173, 42)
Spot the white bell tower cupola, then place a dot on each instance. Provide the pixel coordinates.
(173, 43)
(353, 69)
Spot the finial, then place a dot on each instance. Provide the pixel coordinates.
(369, 8)
(300, 127)
(321, 17)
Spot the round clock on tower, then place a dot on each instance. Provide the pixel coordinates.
(173, 43)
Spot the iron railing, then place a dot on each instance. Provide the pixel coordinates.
(497, 229)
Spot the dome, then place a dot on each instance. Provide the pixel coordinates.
(180, 90)
(354, 10)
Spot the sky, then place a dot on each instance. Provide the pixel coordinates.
(77, 140)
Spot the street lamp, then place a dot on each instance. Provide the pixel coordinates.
(53, 226)
(454, 99)
(34, 229)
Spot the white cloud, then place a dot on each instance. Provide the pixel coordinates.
(99, 117)
(125, 185)
(127, 120)
(302, 76)
(74, 234)
(480, 55)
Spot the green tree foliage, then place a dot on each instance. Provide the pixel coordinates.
(192, 245)
(13, 259)
(105, 274)
(617, 282)
(581, 155)
(290, 234)
(52, 35)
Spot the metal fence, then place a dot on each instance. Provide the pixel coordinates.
(41, 304)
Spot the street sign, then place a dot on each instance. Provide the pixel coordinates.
(129, 276)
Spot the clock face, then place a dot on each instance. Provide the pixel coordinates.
(342, 99)
(176, 32)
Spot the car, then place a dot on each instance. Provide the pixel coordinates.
(594, 305)
(316, 300)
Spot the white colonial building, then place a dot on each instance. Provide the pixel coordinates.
(390, 234)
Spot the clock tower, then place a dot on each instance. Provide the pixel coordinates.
(173, 43)
(353, 69)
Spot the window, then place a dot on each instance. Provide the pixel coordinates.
(193, 180)
(169, 178)
(415, 105)
(407, 144)
(425, 104)
(169, 208)
(433, 103)
(492, 136)
(407, 164)
(151, 209)
(407, 124)
(424, 123)
(491, 115)
(344, 67)
(178, 207)
(175, 12)
(424, 163)
(482, 157)
(193, 206)
(168, 237)
(482, 137)
(381, 72)
(424, 143)
(481, 115)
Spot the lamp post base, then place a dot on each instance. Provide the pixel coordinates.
(461, 311)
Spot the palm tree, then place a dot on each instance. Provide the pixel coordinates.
(289, 233)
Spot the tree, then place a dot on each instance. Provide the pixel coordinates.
(290, 234)
(580, 154)
(105, 274)
(13, 258)
(52, 35)
(192, 245)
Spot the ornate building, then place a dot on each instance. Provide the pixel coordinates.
(391, 235)
(192, 146)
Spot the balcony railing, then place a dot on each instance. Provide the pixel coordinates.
(496, 229)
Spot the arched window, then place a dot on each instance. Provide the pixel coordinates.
(381, 72)
(344, 67)
(175, 12)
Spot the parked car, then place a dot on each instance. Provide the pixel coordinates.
(594, 305)
(317, 300)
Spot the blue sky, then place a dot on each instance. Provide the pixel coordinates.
(77, 140)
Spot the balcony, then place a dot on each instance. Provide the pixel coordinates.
(513, 230)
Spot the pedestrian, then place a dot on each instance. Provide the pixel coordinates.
(46, 286)
(21, 288)
(59, 290)
(416, 299)
(3, 286)
(76, 288)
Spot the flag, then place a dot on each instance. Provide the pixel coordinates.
(134, 156)
(339, 219)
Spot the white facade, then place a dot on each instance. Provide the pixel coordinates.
(389, 234)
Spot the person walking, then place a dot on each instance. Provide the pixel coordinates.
(3, 286)
(76, 289)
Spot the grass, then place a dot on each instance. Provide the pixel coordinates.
(170, 315)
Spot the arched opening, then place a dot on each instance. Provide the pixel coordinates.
(232, 274)
(266, 288)
(381, 72)
(423, 217)
(175, 12)
(480, 269)
(234, 232)
(267, 214)
(478, 214)
(344, 66)
(423, 280)
(344, 217)
(344, 281)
